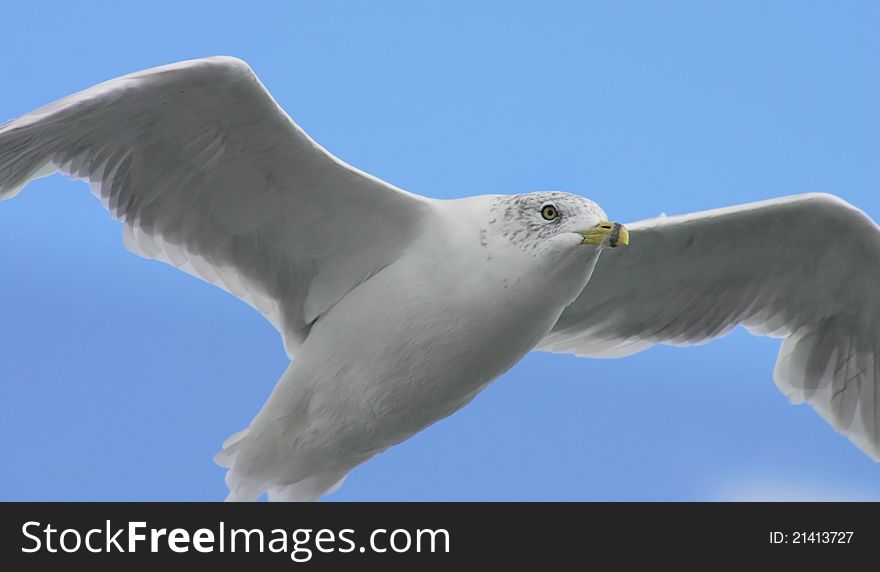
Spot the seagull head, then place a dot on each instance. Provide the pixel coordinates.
(555, 221)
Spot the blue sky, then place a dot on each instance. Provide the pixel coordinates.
(119, 377)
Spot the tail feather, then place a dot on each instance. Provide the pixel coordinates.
(245, 486)
(306, 490)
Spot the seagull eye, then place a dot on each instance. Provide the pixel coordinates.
(549, 212)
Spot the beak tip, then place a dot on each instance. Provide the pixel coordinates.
(613, 232)
(619, 236)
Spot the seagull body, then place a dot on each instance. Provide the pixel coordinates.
(398, 309)
(386, 362)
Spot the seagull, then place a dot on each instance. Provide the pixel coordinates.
(397, 309)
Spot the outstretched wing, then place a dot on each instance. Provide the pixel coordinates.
(805, 268)
(208, 173)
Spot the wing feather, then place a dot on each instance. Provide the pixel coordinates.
(804, 268)
(209, 174)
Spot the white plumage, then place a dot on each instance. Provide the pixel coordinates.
(398, 309)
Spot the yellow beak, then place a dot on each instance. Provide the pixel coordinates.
(616, 233)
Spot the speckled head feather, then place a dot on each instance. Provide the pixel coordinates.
(519, 217)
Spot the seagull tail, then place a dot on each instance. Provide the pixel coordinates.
(306, 490)
(245, 487)
(241, 488)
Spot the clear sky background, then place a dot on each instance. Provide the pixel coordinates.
(119, 377)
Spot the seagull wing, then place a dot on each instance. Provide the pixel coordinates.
(804, 268)
(209, 174)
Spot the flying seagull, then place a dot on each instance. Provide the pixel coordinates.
(397, 309)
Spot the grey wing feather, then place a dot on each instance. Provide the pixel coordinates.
(208, 173)
(804, 268)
